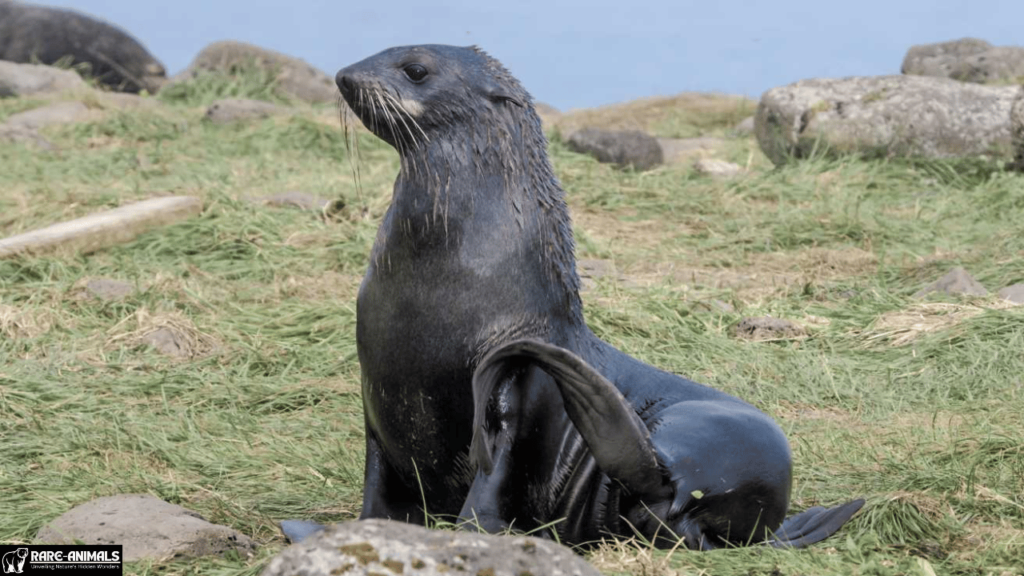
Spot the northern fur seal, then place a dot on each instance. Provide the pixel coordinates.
(487, 398)
(30, 33)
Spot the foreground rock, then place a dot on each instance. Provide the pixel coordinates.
(231, 110)
(955, 282)
(911, 116)
(624, 148)
(385, 547)
(147, 527)
(293, 77)
(36, 79)
(967, 60)
(31, 33)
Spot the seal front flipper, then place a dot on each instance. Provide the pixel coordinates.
(299, 530)
(614, 433)
(813, 525)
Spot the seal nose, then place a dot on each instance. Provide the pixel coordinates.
(344, 81)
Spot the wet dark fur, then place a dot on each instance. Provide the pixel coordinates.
(30, 34)
(472, 290)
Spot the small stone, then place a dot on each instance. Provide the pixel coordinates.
(956, 281)
(147, 527)
(716, 168)
(60, 113)
(108, 290)
(166, 341)
(767, 328)
(231, 110)
(1013, 293)
(295, 199)
(36, 80)
(24, 134)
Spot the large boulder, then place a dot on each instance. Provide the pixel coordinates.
(294, 77)
(967, 60)
(30, 33)
(941, 58)
(912, 116)
(35, 79)
(385, 547)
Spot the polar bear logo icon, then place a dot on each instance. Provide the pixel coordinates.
(14, 561)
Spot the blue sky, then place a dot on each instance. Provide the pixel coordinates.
(582, 53)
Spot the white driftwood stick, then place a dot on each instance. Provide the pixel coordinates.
(104, 229)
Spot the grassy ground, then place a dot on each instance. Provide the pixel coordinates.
(915, 406)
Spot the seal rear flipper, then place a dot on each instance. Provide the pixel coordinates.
(614, 433)
(813, 525)
(299, 530)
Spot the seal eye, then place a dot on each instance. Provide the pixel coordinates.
(415, 72)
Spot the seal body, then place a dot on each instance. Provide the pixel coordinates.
(487, 399)
(46, 35)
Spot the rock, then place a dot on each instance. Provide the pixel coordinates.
(386, 547)
(30, 33)
(942, 58)
(234, 109)
(295, 199)
(36, 80)
(624, 148)
(166, 341)
(717, 168)
(956, 281)
(108, 290)
(1017, 130)
(1013, 293)
(59, 113)
(24, 134)
(745, 127)
(913, 116)
(147, 527)
(999, 65)
(294, 77)
(767, 328)
(967, 60)
(684, 150)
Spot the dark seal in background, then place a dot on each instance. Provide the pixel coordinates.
(45, 35)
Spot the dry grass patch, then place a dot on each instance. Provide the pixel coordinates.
(17, 323)
(901, 327)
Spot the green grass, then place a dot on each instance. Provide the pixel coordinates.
(264, 421)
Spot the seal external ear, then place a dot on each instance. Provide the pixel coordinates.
(497, 93)
(614, 433)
